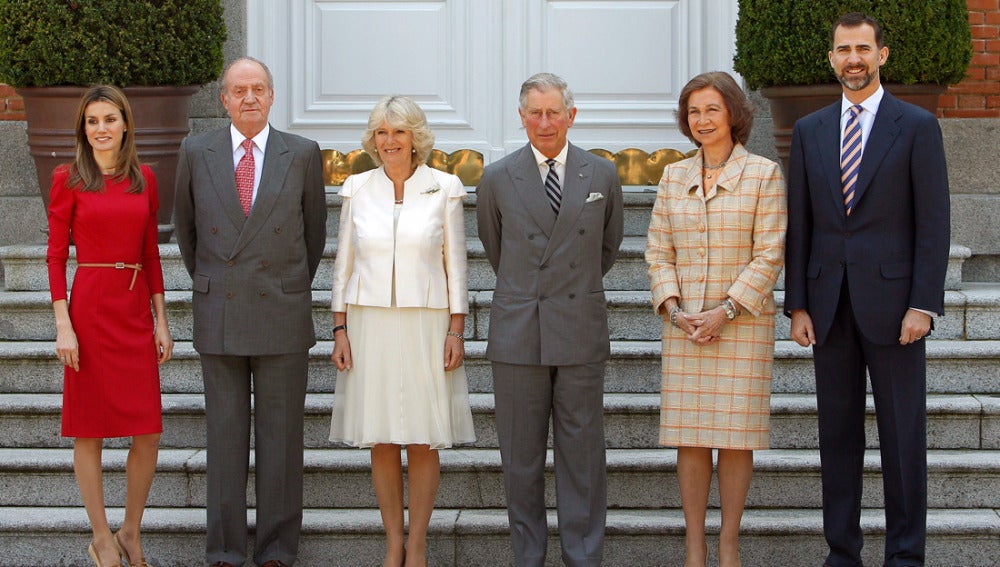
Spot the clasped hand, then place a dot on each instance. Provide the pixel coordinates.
(702, 328)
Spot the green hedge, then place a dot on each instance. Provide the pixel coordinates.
(120, 42)
(785, 42)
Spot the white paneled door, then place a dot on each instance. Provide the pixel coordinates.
(463, 61)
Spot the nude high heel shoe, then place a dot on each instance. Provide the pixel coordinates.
(124, 555)
(93, 555)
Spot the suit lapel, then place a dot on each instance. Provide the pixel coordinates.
(828, 143)
(574, 196)
(885, 129)
(219, 158)
(528, 185)
(277, 160)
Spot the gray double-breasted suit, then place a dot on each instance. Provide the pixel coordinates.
(252, 300)
(548, 341)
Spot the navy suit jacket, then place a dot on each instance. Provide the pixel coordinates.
(893, 248)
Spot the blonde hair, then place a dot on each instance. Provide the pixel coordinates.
(399, 112)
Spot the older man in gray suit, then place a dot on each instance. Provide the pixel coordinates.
(251, 226)
(550, 219)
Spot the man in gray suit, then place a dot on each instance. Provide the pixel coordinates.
(251, 226)
(550, 219)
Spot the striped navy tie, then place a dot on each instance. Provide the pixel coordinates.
(552, 188)
(850, 158)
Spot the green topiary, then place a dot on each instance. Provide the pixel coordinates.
(785, 42)
(121, 42)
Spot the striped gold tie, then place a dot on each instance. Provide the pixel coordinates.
(850, 158)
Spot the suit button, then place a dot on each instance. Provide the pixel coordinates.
(701, 251)
(544, 266)
(214, 230)
(572, 296)
(263, 294)
(572, 264)
(277, 230)
(701, 227)
(229, 295)
(230, 263)
(583, 230)
(264, 263)
(847, 235)
(531, 237)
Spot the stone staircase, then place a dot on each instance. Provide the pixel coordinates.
(42, 522)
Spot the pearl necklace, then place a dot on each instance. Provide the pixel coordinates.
(710, 168)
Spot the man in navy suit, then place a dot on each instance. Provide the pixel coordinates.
(867, 250)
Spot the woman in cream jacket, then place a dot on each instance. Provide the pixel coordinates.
(399, 303)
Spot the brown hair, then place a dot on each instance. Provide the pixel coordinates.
(84, 173)
(853, 20)
(739, 107)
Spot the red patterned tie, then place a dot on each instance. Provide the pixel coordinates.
(244, 177)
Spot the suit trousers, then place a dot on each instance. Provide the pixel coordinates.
(899, 378)
(278, 386)
(526, 396)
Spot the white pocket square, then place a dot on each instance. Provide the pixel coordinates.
(594, 197)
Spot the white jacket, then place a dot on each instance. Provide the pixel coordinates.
(428, 250)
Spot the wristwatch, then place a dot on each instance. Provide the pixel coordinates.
(730, 308)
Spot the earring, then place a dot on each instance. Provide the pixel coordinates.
(413, 151)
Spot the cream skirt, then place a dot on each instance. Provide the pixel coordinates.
(398, 391)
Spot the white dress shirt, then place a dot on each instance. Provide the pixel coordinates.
(543, 168)
(869, 108)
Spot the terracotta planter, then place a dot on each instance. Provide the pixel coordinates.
(788, 104)
(161, 122)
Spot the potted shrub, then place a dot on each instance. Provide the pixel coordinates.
(782, 45)
(159, 51)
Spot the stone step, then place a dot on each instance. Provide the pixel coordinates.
(472, 479)
(25, 269)
(953, 367)
(957, 421)
(972, 313)
(638, 206)
(49, 537)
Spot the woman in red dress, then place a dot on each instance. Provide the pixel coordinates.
(106, 337)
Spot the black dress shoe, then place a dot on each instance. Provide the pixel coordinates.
(274, 563)
(222, 564)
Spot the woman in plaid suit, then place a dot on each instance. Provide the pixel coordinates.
(715, 249)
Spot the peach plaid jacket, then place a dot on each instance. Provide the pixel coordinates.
(701, 250)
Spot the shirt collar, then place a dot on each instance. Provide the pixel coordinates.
(260, 140)
(870, 104)
(560, 158)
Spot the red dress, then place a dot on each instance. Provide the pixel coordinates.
(116, 392)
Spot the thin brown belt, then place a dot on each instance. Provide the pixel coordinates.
(118, 266)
